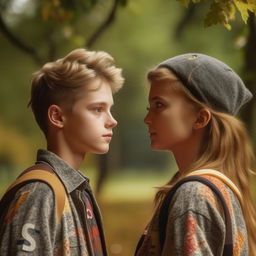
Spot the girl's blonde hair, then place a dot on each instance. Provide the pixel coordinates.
(226, 148)
(61, 81)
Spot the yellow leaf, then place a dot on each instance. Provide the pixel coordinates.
(227, 26)
(253, 2)
(243, 8)
(184, 2)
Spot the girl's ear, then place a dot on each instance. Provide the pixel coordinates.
(203, 118)
(55, 116)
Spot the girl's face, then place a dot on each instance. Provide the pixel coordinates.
(170, 118)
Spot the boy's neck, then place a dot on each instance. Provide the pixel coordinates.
(72, 159)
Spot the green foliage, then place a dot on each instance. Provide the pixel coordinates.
(223, 11)
(14, 149)
(64, 10)
(123, 2)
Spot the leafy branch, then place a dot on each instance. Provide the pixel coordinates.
(224, 11)
(61, 12)
(18, 43)
(109, 20)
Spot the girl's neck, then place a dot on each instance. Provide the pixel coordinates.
(187, 154)
(184, 161)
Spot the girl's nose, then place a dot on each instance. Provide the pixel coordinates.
(147, 119)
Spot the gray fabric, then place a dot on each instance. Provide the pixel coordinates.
(71, 178)
(210, 81)
(31, 228)
(196, 225)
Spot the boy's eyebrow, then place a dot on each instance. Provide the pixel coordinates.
(102, 103)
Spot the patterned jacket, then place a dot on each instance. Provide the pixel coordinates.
(30, 226)
(196, 225)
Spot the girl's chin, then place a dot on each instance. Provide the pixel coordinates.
(156, 147)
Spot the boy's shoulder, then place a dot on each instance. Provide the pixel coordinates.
(28, 201)
(35, 192)
(35, 187)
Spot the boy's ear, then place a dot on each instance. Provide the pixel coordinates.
(55, 116)
(203, 118)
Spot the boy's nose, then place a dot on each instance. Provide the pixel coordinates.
(111, 123)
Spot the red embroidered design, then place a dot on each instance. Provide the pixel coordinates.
(191, 244)
(89, 211)
(94, 234)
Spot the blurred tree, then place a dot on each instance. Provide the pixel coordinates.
(14, 150)
(58, 14)
(249, 73)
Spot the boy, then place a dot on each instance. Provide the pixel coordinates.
(71, 99)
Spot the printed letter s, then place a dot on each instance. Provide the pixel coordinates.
(28, 237)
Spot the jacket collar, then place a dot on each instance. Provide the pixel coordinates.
(70, 177)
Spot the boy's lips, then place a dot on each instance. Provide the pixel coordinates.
(109, 135)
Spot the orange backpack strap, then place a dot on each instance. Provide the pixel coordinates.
(220, 176)
(44, 176)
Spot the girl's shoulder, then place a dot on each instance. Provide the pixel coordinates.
(200, 198)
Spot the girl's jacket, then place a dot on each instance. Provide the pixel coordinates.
(196, 223)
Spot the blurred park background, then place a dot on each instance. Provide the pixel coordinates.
(138, 34)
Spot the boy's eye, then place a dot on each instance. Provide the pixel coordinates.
(98, 109)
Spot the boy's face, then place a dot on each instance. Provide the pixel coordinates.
(88, 126)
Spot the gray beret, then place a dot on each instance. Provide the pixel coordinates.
(210, 81)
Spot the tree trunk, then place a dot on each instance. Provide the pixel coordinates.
(102, 172)
(249, 74)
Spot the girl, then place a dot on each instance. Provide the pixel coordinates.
(193, 100)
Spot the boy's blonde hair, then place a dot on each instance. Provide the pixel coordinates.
(226, 148)
(60, 82)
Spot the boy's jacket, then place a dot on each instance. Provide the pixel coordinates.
(30, 226)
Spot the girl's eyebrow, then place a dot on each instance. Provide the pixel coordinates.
(156, 98)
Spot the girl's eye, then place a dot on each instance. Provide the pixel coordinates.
(158, 104)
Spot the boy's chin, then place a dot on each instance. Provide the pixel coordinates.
(101, 151)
